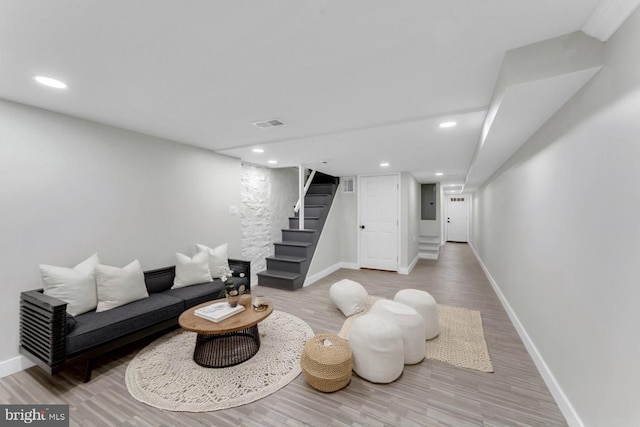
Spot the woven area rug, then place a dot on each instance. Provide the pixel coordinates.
(460, 342)
(164, 375)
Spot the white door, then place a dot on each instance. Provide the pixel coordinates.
(457, 218)
(378, 200)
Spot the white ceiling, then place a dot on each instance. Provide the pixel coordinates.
(356, 82)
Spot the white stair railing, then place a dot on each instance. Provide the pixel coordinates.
(302, 191)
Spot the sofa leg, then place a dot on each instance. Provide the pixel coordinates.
(87, 370)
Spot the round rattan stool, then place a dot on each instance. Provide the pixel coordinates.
(327, 362)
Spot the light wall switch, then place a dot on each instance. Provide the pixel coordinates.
(233, 211)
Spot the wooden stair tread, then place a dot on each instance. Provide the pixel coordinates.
(292, 243)
(276, 274)
(287, 258)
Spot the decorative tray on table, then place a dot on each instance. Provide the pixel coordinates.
(218, 311)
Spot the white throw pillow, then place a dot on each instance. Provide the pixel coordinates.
(192, 271)
(76, 286)
(119, 286)
(218, 259)
(350, 296)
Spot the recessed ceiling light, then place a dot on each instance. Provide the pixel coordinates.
(439, 174)
(448, 124)
(384, 164)
(51, 82)
(258, 150)
(272, 162)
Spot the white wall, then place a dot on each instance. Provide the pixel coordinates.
(558, 229)
(71, 187)
(283, 198)
(349, 224)
(409, 221)
(338, 245)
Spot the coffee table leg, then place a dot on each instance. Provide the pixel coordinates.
(228, 349)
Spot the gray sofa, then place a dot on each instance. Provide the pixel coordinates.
(52, 338)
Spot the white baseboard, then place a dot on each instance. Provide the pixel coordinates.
(327, 271)
(410, 267)
(13, 365)
(556, 391)
(349, 265)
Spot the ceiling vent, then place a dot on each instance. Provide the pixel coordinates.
(348, 184)
(268, 123)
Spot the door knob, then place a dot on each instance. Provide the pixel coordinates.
(362, 226)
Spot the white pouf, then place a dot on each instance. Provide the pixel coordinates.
(350, 297)
(425, 305)
(376, 345)
(411, 325)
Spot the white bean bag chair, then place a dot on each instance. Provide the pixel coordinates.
(425, 305)
(376, 345)
(411, 326)
(350, 297)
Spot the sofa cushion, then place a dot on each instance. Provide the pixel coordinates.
(159, 280)
(218, 259)
(119, 286)
(197, 294)
(95, 328)
(76, 286)
(70, 323)
(191, 271)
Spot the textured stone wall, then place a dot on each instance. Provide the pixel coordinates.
(267, 200)
(284, 196)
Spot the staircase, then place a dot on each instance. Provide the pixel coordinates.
(288, 268)
(429, 247)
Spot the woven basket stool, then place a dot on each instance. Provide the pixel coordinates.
(327, 368)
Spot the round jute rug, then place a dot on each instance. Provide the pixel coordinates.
(164, 375)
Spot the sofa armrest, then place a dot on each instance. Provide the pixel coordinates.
(241, 266)
(43, 328)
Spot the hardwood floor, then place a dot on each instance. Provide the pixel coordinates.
(428, 394)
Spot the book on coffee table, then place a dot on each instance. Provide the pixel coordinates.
(218, 311)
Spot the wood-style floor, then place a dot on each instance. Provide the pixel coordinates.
(431, 393)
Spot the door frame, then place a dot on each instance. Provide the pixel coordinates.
(359, 216)
(446, 215)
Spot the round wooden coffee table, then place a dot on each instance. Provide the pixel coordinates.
(229, 342)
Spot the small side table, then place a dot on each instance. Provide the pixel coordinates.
(327, 362)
